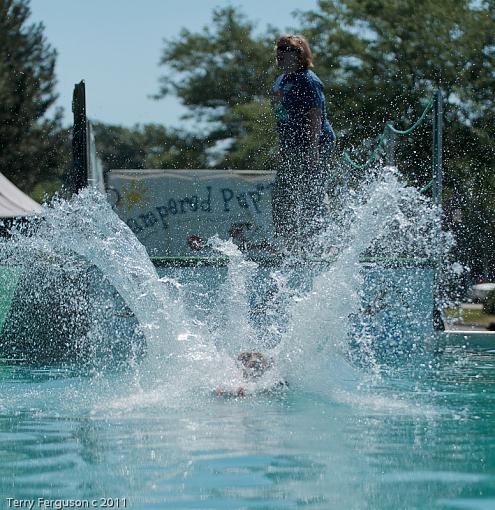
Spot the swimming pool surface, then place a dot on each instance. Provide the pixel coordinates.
(420, 439)
(378, 414)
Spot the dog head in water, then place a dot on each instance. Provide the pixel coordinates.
(254, 364)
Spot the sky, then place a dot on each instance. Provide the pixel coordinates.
(115, 46)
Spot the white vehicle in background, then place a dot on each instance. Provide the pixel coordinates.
(480, 291)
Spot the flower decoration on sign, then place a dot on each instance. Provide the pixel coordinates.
(195, 243)
(133, 194)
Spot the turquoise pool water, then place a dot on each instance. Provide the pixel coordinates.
(422, 439)
(376, 416)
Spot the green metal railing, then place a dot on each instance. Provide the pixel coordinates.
(387, 138)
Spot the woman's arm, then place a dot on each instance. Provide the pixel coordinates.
(314, 127)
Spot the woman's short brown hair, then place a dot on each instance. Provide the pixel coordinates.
(300, 43)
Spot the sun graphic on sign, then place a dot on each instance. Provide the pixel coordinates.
(134, 194)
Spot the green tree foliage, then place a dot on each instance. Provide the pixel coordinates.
(255, 145)
(381, 60)
(224, 75)
(32, 145)
(220, 67)
(149, 146)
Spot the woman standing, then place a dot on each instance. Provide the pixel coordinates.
(306, 140)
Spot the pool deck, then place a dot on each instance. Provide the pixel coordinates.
(476, 332)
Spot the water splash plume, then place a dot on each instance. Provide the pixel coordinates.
(190, 327)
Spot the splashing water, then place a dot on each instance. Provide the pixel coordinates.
(303, 320)
(316, 345)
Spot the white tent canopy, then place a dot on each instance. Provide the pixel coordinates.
(13, 202)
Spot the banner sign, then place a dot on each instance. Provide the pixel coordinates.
(175, 212)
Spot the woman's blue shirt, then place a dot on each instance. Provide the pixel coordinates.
(293, 95)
